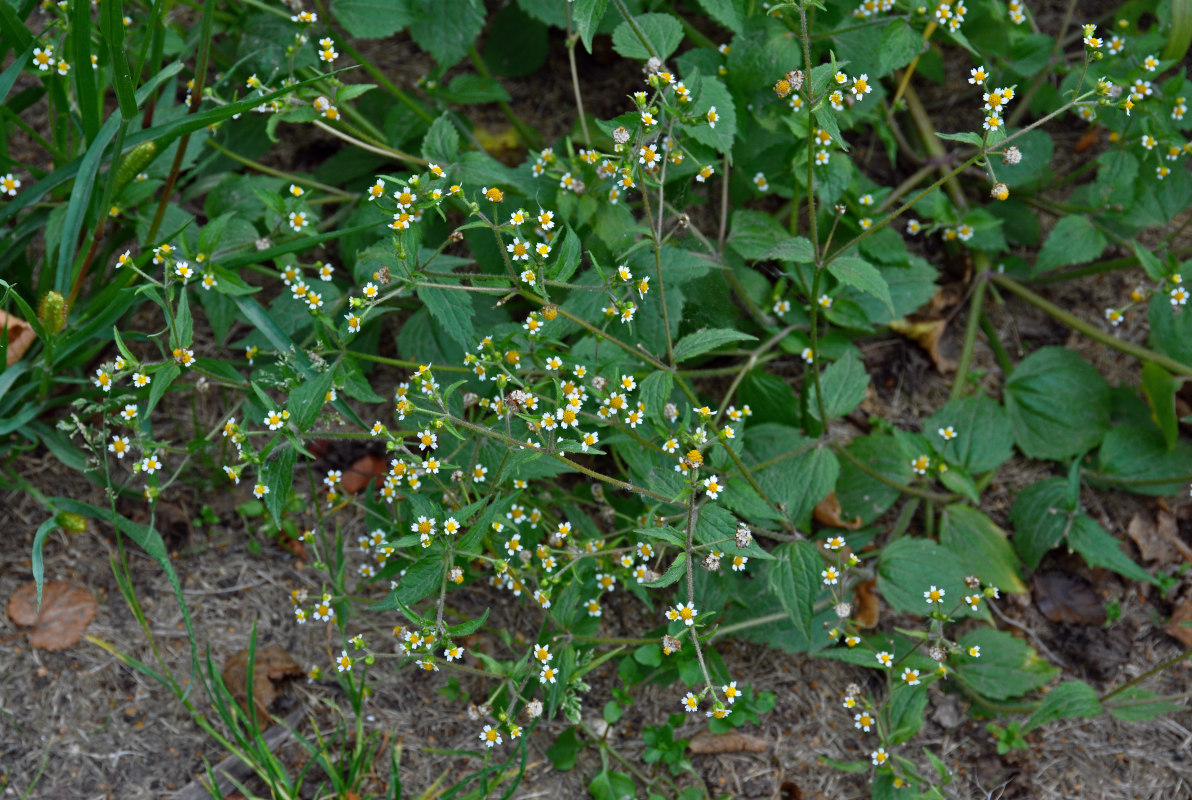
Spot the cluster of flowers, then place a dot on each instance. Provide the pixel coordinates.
(868, 8)
(1172, 286)
(618, 172)
(950, 15)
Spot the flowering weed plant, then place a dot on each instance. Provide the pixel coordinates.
(620, 390)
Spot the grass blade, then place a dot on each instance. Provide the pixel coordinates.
(85, 80)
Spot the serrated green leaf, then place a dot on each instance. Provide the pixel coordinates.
(1160, 387)
(1069, 700)
(586, 16)
(968, 138)
(700, 342)
(1041, 515)
(1139, 705)
(308, 399)
(663, 32)
(1137, 459)
(974, 537)
(1007, 666)
(825, 117)
(862, 275)
(1058, 404)
(277, 474)
(447, 28)
(984, 439)
(373, 19)
(794, 578)
(1073, 240)
(654, 392)
(729, 13)
(454, 310)
(844, 383)
(441, 143)
(713, 94)
(904, 712)
(676, 570)
(424, 577)
(908, 567)
(568, 258)
(792, 248)
(1099, 549)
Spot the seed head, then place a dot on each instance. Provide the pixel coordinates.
(1013, 155)
(843, 610)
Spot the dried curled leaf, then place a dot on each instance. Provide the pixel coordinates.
(1064, 597)
(828, 511)
(927, 334)
(66, 611)
(866, 610)
(20, 336)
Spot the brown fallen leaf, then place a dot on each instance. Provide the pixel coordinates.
(271, 666)
(357, 476)
(1183, 613)
(1153, 537)
(1064, 597)
(866, 609)
(828, 511)
(20, 336)
(927, 334)
(66, 611)
(704, 743)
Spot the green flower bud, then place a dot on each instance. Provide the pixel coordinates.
(51, 312)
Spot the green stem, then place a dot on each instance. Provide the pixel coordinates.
(926, 494)
(1141, 353)
(995, 344)
(1152, 671)
(981, 261)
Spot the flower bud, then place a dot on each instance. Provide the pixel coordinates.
(51, 312)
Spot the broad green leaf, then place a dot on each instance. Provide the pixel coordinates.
(586, 16)
(676, 570)
(792, 248)
(712, 94)
(1069, 700)
(468, 88)
(308, 399)
(1139, 705)
(373, 19)
(900, 44)
(453, 310)
(1099, 549)
(796, 474)
(858, 492)
(662, 31)
(794, 578)
(826, 118)
(1041, 516)
(1007, 666)
(729, 13)
(1058, 404)
(568, 258)
(700, 342)
(860, 274)
(770, 398)
(844, 384)
(1137, 459)
(1151, 265)
(968, 138)
(909, 567)
(1073, 240)
(753, 234)
(984, 439)
(612, 786)
(654, 392)
(515, 44)
(447, 28)
(442, 141)
(904, 712)
(277, 474)
(1170, 330)
(424, 577)
(975, 538)
(1160, 387)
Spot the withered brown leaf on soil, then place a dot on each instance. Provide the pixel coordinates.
(867, 611)
(1182, 613)
(66, 611)
(20, 336)
(828, 511)
(927, 334)
(271, 666)
(1064, 597)
(357, 476)
(1153, 537)
(732, 742)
